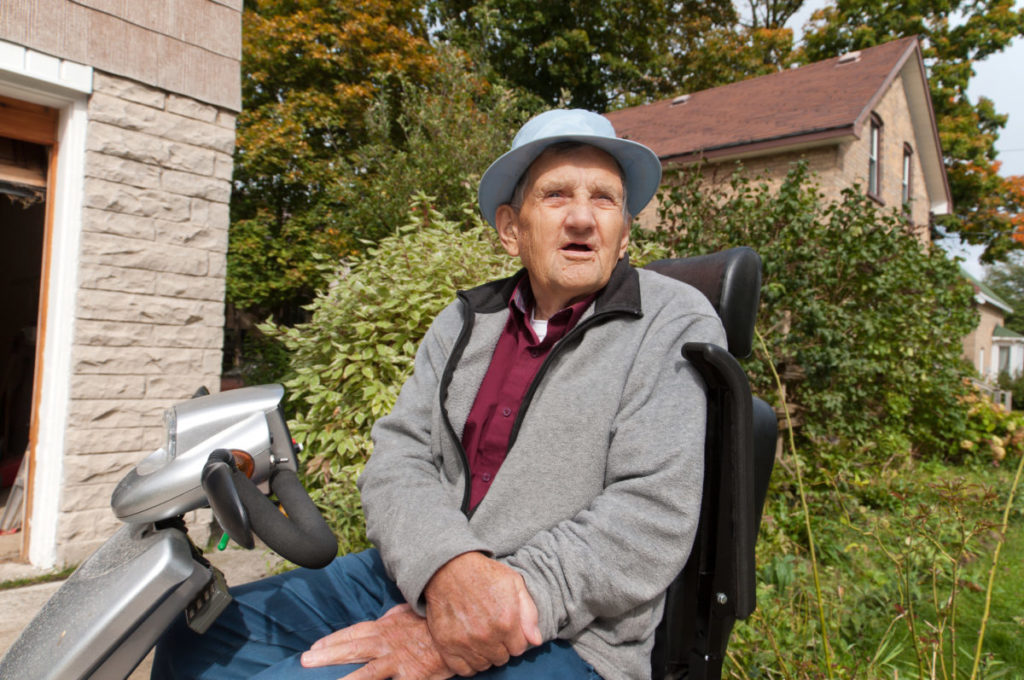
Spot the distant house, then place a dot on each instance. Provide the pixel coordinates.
(117, 125)
(862, 118)
(992, 348)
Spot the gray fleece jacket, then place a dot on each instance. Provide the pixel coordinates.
(596, 503)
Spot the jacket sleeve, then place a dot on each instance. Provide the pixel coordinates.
(620, 553)
(412, 516)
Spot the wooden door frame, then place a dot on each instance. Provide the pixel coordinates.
(36, 124)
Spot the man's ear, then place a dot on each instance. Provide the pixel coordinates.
(624, 245)
(507, 223)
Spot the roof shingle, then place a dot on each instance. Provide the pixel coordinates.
(823, 99)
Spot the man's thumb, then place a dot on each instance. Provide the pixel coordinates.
(529, 619)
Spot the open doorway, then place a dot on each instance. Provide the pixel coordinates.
(23, 172)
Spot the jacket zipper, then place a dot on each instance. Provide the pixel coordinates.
(456, 354)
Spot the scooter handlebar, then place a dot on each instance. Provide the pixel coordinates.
(302, 536)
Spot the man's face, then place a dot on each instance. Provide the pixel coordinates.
(571, 228)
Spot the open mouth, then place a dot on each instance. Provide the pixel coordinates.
(577, 247)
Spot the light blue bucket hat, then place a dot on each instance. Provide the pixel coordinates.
(640, 165)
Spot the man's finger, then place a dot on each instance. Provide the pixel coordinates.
(358, 650)
(377, 669)
(464, 667)
(351, 633)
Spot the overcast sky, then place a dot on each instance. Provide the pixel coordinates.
(998, 78)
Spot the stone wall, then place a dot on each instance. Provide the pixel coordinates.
(150, 308)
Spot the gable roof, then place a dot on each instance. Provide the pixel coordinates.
(985, 295)
(822, 103)
(1004, 332)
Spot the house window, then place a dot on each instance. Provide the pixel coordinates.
(875, 158)
(1004, 359)
(908, 155)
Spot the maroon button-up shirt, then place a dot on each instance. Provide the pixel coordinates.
(517, 358)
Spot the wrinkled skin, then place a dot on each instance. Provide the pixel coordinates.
(397, 645)
(480, 613)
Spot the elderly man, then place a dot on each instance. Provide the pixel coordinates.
(537, 485)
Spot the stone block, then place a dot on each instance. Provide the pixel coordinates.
(223, 167)
(200, 186)
(76, 497)
(210, 213)
(117, 251)
(190, 108)
(125, 114)
(195, 235)
(190, 287)
(112, 333)
(122, 224)
(217, 265)
(121, 170)
(115, 413)
(226, 119)
(92, 441)
(148, 361)
(102, 277)
(108, 386)
(128, 89)
(99, 467)
(193, 132)
(138, 146)
(176, 387)
(119, 198)
(100, 305)
(97, 525)
(213, 361)
(195, 337)
(190, 158)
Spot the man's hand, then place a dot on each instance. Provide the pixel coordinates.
(480, 613)
(397, 645)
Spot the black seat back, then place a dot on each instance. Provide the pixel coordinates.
(717, 585)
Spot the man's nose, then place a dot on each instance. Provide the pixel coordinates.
(581, 214)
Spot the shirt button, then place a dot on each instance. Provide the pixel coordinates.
(486, 476)
(506, 412)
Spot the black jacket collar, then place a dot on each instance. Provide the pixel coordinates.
(621, 294)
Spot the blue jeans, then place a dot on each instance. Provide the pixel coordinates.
(272, 622)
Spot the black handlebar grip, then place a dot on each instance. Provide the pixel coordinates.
(222, 492)
(302, 537)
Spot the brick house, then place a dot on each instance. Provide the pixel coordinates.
(861, 118)
(992, 348)
(116, 138)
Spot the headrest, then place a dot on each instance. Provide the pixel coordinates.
(731, 280)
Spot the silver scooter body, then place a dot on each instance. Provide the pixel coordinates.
(107, 616)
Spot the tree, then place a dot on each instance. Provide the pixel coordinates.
(585, 54)
(311, 69)
(438, 140)
(955, 34)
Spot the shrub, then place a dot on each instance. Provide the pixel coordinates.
(350, 360)
(863, 322)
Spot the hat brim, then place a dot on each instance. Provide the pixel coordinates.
(640, 166)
